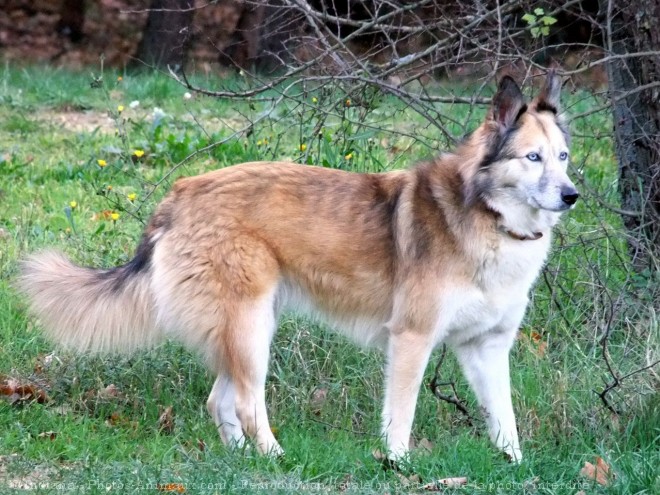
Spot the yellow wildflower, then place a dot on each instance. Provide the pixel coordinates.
(303, 147)
(109, 187)
(347, 102)
(131, 196)
(73, 204)
(102, 163)
(138, 153)
(120, 79)
(349, 156)
(315, 99)
(120, 108)
(114, 216)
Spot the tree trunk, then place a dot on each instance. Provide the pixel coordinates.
(635, 27)
(166, 34)
(72, 18)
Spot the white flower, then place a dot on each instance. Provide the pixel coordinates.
(187, 96)
(134, 104)
(158, 113)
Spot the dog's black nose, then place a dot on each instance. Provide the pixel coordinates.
(569, 196)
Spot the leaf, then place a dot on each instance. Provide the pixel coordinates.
(111, 391)
(50, 435)
(548, 21)
(539, 11)
(535, 32)
(407, 481)
(545, 30)
(440, 485)
(166, 421)
(171, 487)
(318, 399)
(529, 18)
(18, 392)
(425, 445)
(600, 473)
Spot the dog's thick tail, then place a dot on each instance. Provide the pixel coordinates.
(89, 310)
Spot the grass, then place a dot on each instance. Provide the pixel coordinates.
(101, 431)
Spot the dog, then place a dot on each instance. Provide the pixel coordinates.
(444, 252)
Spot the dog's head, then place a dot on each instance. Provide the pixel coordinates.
(526, 150)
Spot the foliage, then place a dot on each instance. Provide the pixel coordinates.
(539, 23)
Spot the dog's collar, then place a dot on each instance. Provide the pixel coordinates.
(514, 235)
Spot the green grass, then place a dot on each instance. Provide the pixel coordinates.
(85, 441)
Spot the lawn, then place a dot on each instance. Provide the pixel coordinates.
(83, 160)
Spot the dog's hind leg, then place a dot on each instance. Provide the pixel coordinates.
(247, 354)
(222, 407)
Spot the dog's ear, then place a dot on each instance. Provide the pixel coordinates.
(508, 103)
(548, 98)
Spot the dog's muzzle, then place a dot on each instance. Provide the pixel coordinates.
(569, 195)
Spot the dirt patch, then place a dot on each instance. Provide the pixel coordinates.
(79, 121)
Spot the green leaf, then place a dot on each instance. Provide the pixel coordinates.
(529, 18)
(539, 11)
(545, 30)
(535, 32)
(548, 21)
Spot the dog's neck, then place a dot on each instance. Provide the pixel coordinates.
(518, 237)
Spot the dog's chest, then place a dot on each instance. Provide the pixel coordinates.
(495, 297)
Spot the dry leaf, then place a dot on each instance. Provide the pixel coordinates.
(599, 473)
(171, 487)
(345, 484)
(109, 392)
(114, 419)
(407, 481)
(425, 445)
(440, 485)
(318, 399)
(166, 421)
(50, 435)
(21, 392)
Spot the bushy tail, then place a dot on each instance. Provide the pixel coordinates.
(88, 310)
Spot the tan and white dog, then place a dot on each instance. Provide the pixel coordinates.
(445, 252)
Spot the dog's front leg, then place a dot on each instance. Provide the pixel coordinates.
(407, 357)
(485, 362)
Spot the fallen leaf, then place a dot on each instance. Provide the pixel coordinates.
(599, 472)
(425, 445)
(50, 435)
(407, 481)
(18, 392)
(114, 419)
(166, 421)
(171, 487)
(318, 399)
(345, 483)
(108, 392)
(440, 485)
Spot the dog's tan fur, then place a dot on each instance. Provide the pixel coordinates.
(401, 260)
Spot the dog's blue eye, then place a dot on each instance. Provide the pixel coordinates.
(563, 155)
(534, 157)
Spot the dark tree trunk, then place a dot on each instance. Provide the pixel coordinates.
(635, 27)
(166, 34)
(72, 18)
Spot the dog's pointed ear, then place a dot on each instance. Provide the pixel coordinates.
(548, 98)
(508, 103)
